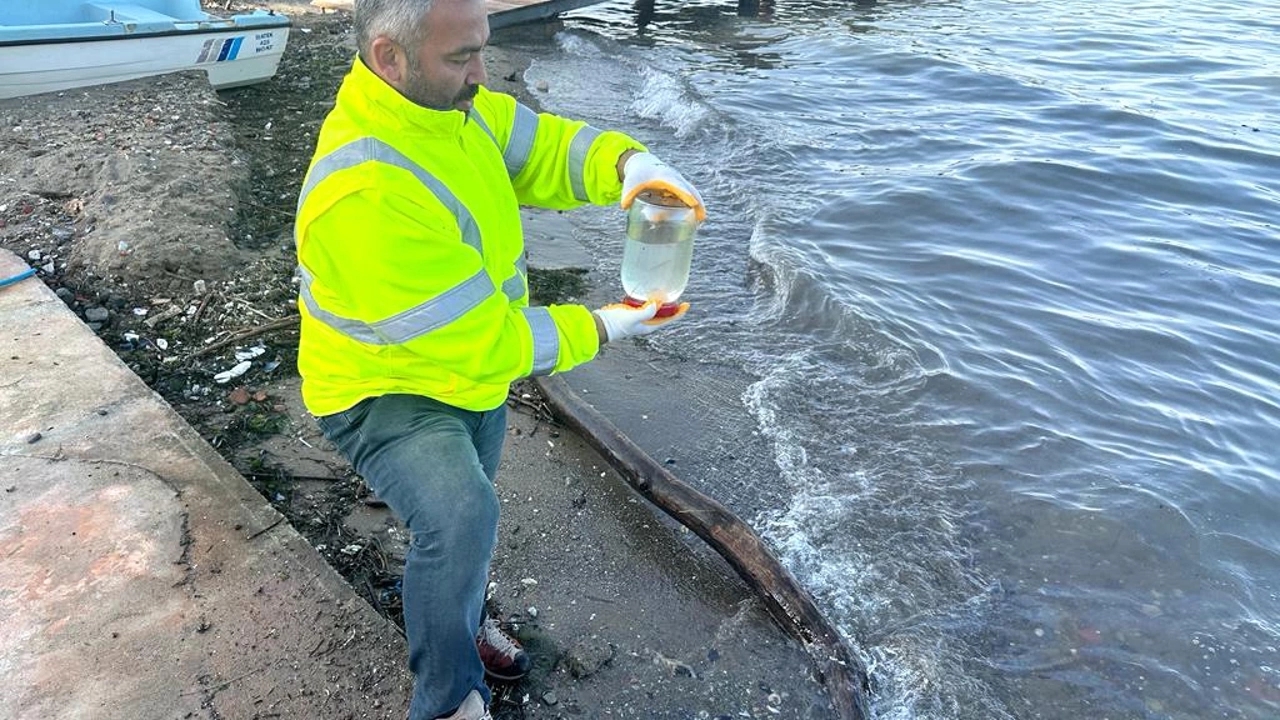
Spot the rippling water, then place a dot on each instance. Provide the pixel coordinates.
(1001, 279)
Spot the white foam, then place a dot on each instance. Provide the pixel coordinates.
(662, 97)
(874, 536)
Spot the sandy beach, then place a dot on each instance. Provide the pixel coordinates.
(160, 212)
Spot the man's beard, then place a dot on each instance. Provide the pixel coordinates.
(417, 90)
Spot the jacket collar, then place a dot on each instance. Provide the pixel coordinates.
(384, 105)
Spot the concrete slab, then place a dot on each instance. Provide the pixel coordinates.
(140, 575)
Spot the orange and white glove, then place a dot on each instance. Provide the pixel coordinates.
(620, 320)
(643, 172)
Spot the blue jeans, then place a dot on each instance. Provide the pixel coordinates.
(434, 464)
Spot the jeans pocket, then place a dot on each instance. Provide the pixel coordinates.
(343, 422)
(334, 424)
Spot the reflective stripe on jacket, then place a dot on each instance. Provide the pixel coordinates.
(411, 253)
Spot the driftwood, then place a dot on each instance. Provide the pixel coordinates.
(791, 606)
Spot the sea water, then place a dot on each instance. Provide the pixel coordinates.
(984, 329)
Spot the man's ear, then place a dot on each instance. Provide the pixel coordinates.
(387, 60)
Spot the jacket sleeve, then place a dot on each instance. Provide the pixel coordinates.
(555, 162)
(394, 272)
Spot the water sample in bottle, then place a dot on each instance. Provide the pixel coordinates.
(658, 251)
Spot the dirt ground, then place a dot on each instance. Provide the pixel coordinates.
(161, 212)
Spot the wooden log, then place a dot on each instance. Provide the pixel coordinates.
(791, 606)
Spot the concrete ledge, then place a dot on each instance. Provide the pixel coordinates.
(140, 575)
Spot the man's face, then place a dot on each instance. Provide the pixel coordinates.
(446, 69)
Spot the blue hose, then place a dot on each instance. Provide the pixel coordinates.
(5, 282)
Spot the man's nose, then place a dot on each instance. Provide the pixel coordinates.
(476, 74)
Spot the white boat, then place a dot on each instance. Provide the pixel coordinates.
(53, 45)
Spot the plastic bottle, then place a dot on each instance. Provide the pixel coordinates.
(658, 251)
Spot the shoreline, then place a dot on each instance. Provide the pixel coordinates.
(625, 612)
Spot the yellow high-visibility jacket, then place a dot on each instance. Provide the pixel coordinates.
(411, 253)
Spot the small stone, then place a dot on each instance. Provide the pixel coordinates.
(200, 287)
(239, 396)
(549, 697)
(96, 314)
(587, 657)
(33, 255)
(542, 86)
(65, 295)
(34, 438)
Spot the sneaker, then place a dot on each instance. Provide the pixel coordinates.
(502, 656)
(472, 708)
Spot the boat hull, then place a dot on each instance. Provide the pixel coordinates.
(230, 56)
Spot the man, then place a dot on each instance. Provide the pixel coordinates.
(414, 304)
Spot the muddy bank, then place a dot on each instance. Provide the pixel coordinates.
(161, 212)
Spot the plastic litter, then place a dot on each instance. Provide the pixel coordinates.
(235, 372)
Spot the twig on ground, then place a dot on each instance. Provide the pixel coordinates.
(170, 313)
(200, 309)
(268, 208)
(276, 476)
(266, 529)
(179, 276)
(214, 689)
(538, 409)
(249, 306)
(280, 324)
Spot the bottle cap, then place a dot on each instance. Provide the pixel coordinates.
(664, 310)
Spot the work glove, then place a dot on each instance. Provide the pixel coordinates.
(644, 172)
(622, 321)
